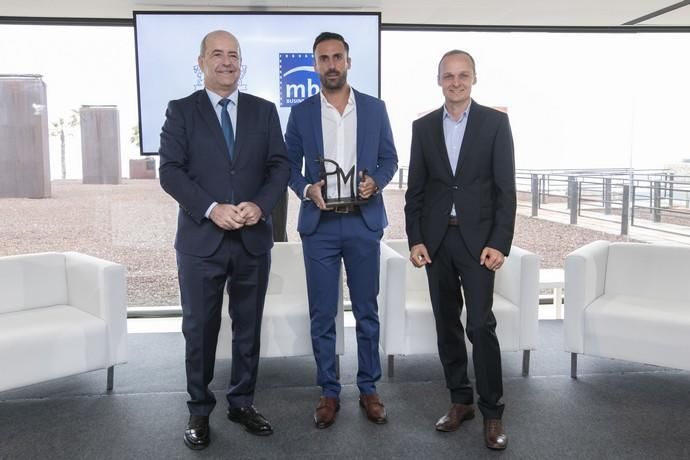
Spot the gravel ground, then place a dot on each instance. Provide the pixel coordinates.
(134, 224)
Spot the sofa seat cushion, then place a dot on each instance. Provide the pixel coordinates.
(285, 327)
(420, 336)
(507, 323)
(421, 327)
(49, 342)
(638, 329)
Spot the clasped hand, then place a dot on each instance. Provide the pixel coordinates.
(234, 217)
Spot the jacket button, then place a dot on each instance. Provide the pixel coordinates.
(232, 173)
(455, 187)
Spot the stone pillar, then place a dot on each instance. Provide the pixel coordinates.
(100, 144)
(24, 153)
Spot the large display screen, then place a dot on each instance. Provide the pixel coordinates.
(277, 59)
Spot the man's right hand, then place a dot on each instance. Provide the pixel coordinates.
(227, 217)
(314, 194)
(419, 255)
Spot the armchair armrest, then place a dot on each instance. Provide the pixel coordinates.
(391, 299)
(98, 287)
(585, 278)
(518, 282)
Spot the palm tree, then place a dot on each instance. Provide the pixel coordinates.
(58, 128)
(134, 137)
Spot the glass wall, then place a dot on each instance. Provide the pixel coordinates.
(575, 100)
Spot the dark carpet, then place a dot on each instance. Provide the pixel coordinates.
(615, 409)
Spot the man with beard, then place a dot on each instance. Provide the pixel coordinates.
(223, 160)
(343, 125)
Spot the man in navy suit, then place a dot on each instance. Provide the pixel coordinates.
(343, 125)
(460, 211)
(223, 160)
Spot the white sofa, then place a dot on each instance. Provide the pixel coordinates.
(407, 320)
(285, 328)
(60, 314)
(628, 301)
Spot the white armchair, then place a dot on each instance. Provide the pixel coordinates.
(61, 314)
(407, 320)
(285, 328)
(628, 301)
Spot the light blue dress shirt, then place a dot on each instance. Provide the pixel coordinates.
(453, 134)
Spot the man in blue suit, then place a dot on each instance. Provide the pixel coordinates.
(223, 160)
(351, 128)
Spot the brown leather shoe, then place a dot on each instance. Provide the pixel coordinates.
(325, 411)
(457, 414)
(373, 406)
(494, 436)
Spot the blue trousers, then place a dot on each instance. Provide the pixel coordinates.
(343, 237)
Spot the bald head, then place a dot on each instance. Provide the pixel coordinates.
(221, 62)
(217, 34)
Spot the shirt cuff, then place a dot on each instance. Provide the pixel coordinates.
(304, 193)
(207, 214)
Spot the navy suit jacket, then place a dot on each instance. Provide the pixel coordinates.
(482, 189)
(196, 170)
(375, 152)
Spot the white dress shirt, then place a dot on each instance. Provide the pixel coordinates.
(340, 143)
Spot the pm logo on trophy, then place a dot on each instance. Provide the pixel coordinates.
(338, 190)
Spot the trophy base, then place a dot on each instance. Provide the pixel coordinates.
(344, 205)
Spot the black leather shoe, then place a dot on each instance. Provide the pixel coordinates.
(251, 420)
(197, 435)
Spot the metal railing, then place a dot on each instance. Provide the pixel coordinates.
(623, 195)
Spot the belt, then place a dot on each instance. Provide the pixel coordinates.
(346, 209)
(452, 221)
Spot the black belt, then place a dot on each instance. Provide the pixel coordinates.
(345, 209)
(452, 221)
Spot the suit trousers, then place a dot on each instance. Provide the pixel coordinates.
(343, 237)
(202, 280)
(454, 267)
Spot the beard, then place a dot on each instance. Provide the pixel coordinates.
(333, 84)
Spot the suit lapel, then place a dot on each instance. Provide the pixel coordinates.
(361, 127)
(211, 119)
(243, 116)
(474, 123)
(318, 128)
(438, 136)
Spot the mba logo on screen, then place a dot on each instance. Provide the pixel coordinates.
(298, 80)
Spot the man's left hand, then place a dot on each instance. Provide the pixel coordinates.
(250, 212)
(491, 258)
(367, 186)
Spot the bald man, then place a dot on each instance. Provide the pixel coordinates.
(223, 159)
(460, 217)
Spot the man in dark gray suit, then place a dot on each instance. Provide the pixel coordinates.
(223, 160)
(460, 211)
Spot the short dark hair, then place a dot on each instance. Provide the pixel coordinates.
(453, 52)
(323, 36)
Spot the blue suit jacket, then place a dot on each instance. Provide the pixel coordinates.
(375, 152)
(196, 170)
